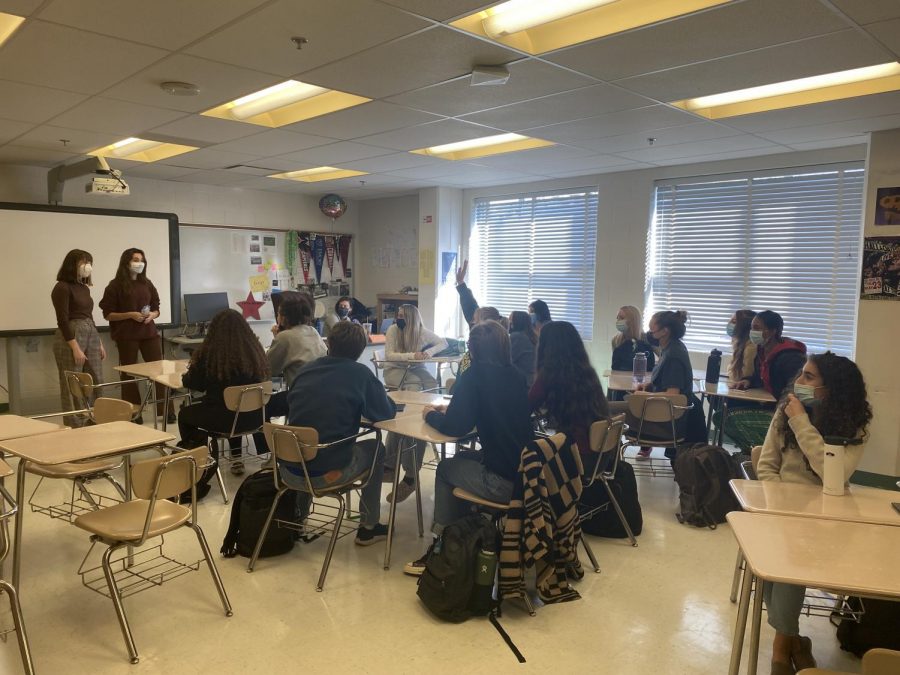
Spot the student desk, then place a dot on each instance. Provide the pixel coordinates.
(419, 398)
(824, 554)
(75, 445)
(858, 505)
(14, 426)
(723, 392)
(166, 372)
(406, 365)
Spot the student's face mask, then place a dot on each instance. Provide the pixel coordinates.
(805, 393)
(756, 337)
(84, 270)
(621, 326)
(729, 329)
(343, 312)
(137, 267)
(401, 323)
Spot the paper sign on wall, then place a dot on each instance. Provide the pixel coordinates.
(426, 266)
(260, 283)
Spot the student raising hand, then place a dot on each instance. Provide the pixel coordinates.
(461, 272)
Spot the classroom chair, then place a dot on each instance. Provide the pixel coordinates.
(103, 411)
(663, 411)
(84, 392)
(9, 508)
(606, 438)
(151, 515)
(874, 662)
(299, 445)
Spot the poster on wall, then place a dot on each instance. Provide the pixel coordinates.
(887, 206)
(881, 269)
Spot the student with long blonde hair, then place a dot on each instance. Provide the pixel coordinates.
(629, 340)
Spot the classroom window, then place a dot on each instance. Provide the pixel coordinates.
(539, 245)
(785, 240)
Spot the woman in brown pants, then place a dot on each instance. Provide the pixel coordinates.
(76, 343)
(130, 303)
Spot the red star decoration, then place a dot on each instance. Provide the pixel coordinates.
(250, 306)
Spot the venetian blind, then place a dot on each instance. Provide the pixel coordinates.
(785, 240)
(537, 246)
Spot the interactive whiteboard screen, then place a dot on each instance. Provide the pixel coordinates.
(36, 238)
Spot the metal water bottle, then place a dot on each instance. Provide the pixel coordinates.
(834, 479)
(486, 567)
(639, 369)
(713, 367)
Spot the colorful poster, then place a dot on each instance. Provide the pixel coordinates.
(881, 269)
(426, 266)
(887, 206)
(260, 283)
(318, 252)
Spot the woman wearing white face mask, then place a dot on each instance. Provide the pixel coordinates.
(76, 343)
(629, 340)
(131, 303)
(828, 398)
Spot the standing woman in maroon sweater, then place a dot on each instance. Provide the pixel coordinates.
(130, 303)
(76, 343)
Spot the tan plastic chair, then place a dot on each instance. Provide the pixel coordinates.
(239, 399)
(606, 440)
(150, 515)
(874, 662)
(104, 410)
(84, 393)
(9, 508)
(299, 445)
(657, 408)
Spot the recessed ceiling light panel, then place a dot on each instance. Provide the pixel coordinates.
(141, 150)
(317, 174)
(483, 147)
(8, 25)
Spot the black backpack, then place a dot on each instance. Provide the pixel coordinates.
(879, 626)
(606, 523)
(447, 586)
(249, 509)
(702, 473)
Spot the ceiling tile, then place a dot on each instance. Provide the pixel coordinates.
(729, 29)
(571, 105)
(834, 130)
(613, 124)
(446, 168)
(362, 120)
(17, 154)
(862, 142)
(416, 61)
(49, 137)
(427, 135)
(273, 142)
(170, 24)
(658, 153)
(721, 157)
(9, 129)
(20, 7)
(392, 162)
(869, 11)
(533, 160)
(528, 79)
(583, 165)
(28, 103)
(208, 159)
(374, 179)
(440, 9)
(205, 130)
(65, 58)
(815, 56)
(888, 32)
(157, 171)
(211, 178)
(334, 29)
(329, 155)
(612, 168)
(218, 83)
(110, 115)
(698, 131)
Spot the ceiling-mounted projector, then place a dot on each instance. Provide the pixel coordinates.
(104, 180)
(109, 185)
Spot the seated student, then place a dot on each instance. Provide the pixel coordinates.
(491, 396)
(743, 351)
(230, 355)
(629, 340)
(522, 344)
(540, 315)
(828, 398)
(331, 395)
(296, 343)
(342, 309)
(778, 359)
(567, 387)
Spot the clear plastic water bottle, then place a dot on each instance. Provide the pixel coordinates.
(639, 370)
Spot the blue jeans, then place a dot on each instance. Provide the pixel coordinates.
(465, 470)
(784, 602)
(360, 461)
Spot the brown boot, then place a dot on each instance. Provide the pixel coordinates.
(801, 653)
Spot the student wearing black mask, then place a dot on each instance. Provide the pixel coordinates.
(342, 309)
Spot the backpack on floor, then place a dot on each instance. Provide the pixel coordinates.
(606, 523)
(879, 626)
(702, 473)
(447, 586)
(249, 509)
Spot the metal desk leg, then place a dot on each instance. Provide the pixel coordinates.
(17, 544)
(393, 511)
(166, 400)
(754, 629)
(737, 643)
(720, 432)
(128, 498)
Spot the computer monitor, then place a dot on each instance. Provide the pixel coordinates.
(202, 307)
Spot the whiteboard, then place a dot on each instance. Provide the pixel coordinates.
(36, 238)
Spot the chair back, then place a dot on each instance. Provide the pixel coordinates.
(657, 407)
(880, 661)
(755, 452)
(248, 397)
(166, 477)
(112, 410)
(292, 444)
(80, 385)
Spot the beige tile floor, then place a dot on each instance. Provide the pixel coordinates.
(661, 608)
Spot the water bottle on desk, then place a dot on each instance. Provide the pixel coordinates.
(639, 369)
(834, 479)
(713, 367)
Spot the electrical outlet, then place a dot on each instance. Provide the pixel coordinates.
(31, 344)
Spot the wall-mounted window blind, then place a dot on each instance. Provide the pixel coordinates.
(537, 246)
(785, 240)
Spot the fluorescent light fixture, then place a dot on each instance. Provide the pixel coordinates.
(8, 25)
(141, 150)
(317, 174)
(791, 93)
(285, 103)
(540, 26)
(483, 147)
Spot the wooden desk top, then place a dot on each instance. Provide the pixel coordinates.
(15, 426)
(418, 398)
(854, 558)
(431, 359)
(723, 389)
(410, 423)
(155, 369)
(75, 445)
(5, 469)
(859, 505)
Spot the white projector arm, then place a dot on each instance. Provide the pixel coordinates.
(57, 176)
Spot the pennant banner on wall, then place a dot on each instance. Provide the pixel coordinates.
(318, 253)
(344, 254)
(329, 254)
(304, 257)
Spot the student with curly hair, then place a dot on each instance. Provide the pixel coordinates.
(828, 398)
(230, 355)
(567, 388)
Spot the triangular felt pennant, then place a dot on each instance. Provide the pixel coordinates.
(318, 251)
(344, 252)
(329, 254)
(305, 256)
